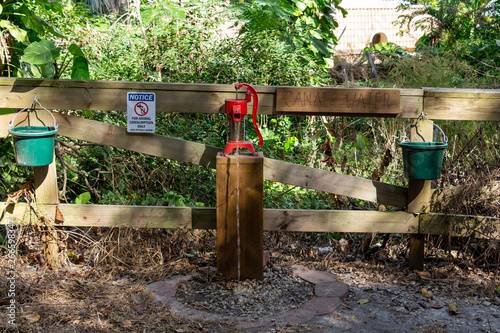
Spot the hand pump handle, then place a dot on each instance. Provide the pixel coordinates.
(249, 93)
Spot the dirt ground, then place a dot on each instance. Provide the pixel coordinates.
(385, 296)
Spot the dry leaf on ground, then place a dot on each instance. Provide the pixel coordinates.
(32, 317)
(452, 308)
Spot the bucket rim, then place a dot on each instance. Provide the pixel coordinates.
(423, 145)
(48, 131)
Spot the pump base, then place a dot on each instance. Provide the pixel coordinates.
(230, 145)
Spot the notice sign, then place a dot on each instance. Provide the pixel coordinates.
(141, 112)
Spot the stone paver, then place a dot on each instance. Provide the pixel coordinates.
(327, 294)
(331, 289)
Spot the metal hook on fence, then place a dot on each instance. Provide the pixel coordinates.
(414, 124)
(32, 108)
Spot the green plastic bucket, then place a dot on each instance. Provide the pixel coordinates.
(423, 160)
(34, 145)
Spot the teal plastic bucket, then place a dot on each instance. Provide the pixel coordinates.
(423, 160)
(34, 145)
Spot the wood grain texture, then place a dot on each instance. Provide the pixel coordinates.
(274, 219)
(419, 195)
(460, 225)
(240, 196)
(112, 215)
(332, 182)
(205, 218)
(440, 103)
(338, 101)
(204, 155)
(462, 104)
(112, 95)
(151, 144)
(339, 221)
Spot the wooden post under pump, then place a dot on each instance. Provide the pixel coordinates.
(240, 216)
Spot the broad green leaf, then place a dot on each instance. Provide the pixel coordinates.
(36, 23)
(16, 32)
(41, 52)
(83, 198)
(361, 141)
(1, 9)
(76, 50)
(53, 30)
(33, 22)
(47, 70)
(53, 4)
(80, 69)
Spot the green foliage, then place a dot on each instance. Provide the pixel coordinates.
(83, 198)
(11, 175)
(469, 29)
(386, 52)
(433, 68)
(306, 26)
(27, 49)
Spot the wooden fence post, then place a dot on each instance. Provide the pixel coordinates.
(240, 216)
(419, 195)
(46, 192)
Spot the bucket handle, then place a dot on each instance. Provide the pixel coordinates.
(32, 106)
(413, 124)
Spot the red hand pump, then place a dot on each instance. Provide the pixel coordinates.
(236, 109)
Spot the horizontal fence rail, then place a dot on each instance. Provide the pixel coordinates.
(204, 155)
(438, 103)
(274, 219)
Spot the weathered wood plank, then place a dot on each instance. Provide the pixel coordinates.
(339, 221)
(240, 216)
(462, 104)
(440, 103)
(19, 212)
(442, 198)
(412, 101)
(151, 144)
(204, 155)
(111, 215)
(112, 95)
(204, 218)
(332, 182)
(274, 219)
(338, 101)
(462, 93)
(459, 225)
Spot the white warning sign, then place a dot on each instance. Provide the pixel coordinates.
(141, 112)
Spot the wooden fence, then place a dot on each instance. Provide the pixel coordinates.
(449, 104)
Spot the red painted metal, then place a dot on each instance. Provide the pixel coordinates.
(236, 109)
